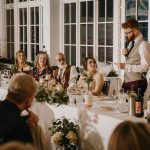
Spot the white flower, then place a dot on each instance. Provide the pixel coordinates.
(71, 136)
(57, 137)
(50, 87)
(59, 87)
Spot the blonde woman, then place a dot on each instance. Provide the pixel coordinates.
(41, 66)
(21, 62)
(130, 136)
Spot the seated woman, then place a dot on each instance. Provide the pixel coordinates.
(41, 66)
(21, 62)
(130, 136)
(90, 68)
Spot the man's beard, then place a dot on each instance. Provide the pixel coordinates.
(131, 38)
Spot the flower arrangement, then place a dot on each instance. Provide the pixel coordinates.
(51, 95)
(65, 134)
(59, 97)
(88, 78)
(43, 94)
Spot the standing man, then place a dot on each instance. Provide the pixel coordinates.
(65, 74)
(137, 54)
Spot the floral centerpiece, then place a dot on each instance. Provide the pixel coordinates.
(53, 95)
(88, 78)
(59, 97)
(42, 94)
(65, 134)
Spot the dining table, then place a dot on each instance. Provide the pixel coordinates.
(96, 122)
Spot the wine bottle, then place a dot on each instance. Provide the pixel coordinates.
(139, 104)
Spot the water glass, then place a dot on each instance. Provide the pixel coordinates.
(122, 104)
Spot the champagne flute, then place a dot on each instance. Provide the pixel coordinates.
(63, 81)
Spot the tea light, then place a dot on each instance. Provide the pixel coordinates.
(41, 80)
(47, 77)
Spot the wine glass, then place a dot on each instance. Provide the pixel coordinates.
(122, 101)
(63, 81)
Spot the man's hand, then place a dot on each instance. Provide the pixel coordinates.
(32, 120)
(121, 65)
(125, 51)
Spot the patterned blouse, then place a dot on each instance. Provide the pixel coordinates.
(35, 73)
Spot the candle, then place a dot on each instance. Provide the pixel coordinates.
(47, 77)
(41, 80)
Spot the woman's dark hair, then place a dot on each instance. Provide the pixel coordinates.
(86, 60)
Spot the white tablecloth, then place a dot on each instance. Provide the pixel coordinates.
(96, 123)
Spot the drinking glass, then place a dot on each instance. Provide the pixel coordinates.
(63, 81)
(122, 103)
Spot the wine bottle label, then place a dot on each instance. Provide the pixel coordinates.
(138, 107)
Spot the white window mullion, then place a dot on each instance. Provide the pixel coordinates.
(149, 21)
(70, 25)
(77, 33)
(86, 32)
(105, 32)
(28, 32)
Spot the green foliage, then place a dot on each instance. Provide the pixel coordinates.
(112, 73)
(59, 97)
(51, 96)
(65, 134)
(42, 95)
(87, 78)
(14, 68)
(31, 64)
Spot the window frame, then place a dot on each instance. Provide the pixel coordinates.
(27, 4)
(116, 33)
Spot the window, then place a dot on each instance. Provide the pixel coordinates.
(10, 32)
(29, 26)
(34, 31)
(86, 29)
(93, 30)
(138, 9)
(9, 1)
(105, 30)
(22, 0)
(70, 33)
(23, 29)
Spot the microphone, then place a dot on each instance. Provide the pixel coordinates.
(126, 46)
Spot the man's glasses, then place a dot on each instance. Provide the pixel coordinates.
(61, 59)
(126, 33)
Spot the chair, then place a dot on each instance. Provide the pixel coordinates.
(106, 86)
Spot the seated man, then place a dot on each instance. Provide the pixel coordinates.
(65, 74)
(14, 127)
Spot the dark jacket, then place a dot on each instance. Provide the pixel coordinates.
(12, 125)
